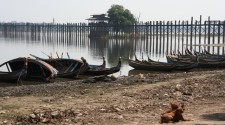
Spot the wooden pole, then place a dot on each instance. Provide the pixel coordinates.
(146, 37)
(223, 35)
(171, 36)
(175, 36)
(213, 39)
(153, 37)
(157, 43)
(163, 37)
(167, 37)
(200, 32)
(195, 34)
(209, 26)
(182, 37)
(218, 48)
(178, 35)
(150, 35)
(147, 30)
(205, 33)
(191, 33)
(160, 36)
(187, 35)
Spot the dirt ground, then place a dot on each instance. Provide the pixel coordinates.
(128, 100)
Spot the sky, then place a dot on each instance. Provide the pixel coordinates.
(76, 11)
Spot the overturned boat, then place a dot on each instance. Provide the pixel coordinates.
(23, 68)
(97, 70)
(67, 68)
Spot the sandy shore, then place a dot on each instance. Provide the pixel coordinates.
(129, 100)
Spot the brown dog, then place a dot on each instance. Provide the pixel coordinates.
(173, 115)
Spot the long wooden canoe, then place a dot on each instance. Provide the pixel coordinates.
(96, 70)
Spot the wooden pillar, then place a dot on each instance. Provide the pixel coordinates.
(187, 25)
(157, 36)
(209, 34)
(163, 37)
(196, 23)
(191, 33)
(171, 36)
(147, 37)
(182, 37)
(223, 35)
(160, 37)
(167, 37)
(218, 48)
(205, 34)
(150, 35)
(153, 37)
(147, 29)
(175, 36)
(200, 32)
(178, 43)
(213, 39)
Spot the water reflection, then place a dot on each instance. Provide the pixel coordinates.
(92, 49)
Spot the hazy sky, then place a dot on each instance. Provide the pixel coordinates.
(78, 10)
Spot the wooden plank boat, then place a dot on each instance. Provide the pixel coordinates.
(186, 66)
(67, 68)
(188, 52)
(103, 65)
(180, 65)
(10, 75)
(97, 70)
(31, 69)
(192, 58)
(207, 52)
(203, 62)
(151, 66)
(206, 55)
(14, 76)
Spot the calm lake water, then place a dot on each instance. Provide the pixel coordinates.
(91, 49)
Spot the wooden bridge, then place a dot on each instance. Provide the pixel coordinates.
(170, 35)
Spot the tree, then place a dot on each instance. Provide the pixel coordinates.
(118, 16)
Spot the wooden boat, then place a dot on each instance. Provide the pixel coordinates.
(67, 68)
(151, 66)
(97, 70)
(174, 59)
(27, 69)
(186, 66)
(188, 52)
(14, 75)
(180, 65)
(203, 62)
(219, 64)
(103, 65)
(207, 52)
(192, 58)
(150, 60)
(206, 55)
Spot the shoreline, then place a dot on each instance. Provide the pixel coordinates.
(136, 99)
